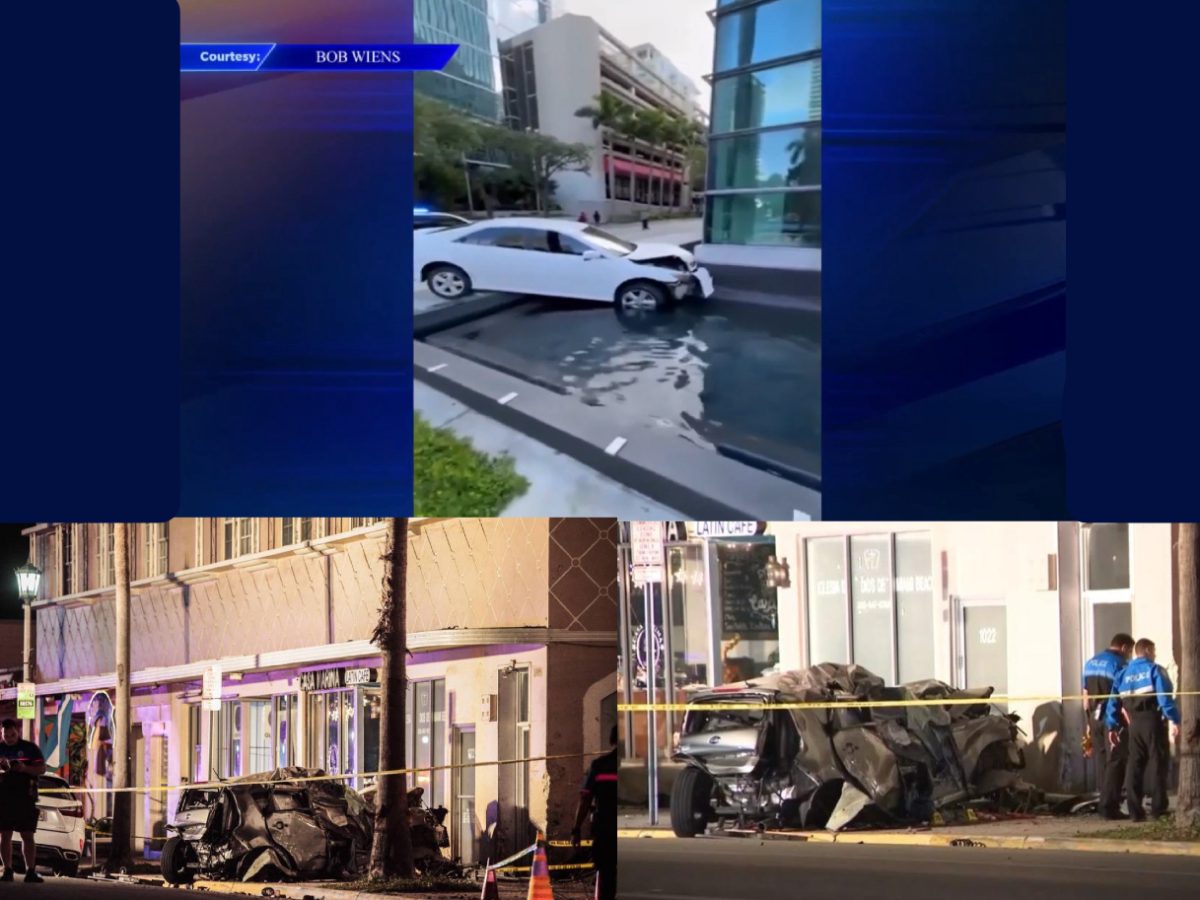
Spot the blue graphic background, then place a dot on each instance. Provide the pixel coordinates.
(945, 317)
(89, 279)
(296, 281)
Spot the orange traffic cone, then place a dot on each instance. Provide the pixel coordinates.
(490, 890)
(539, 873)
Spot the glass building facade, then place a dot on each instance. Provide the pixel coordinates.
(764, 177)
(471, 80)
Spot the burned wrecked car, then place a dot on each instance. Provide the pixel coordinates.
(831, 767)
(269, 826)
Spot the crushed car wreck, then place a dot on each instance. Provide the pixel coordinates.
(833, 767)
(249, 830)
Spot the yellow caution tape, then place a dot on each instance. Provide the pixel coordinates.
(881, 704)
(207, 785)
(552, 868)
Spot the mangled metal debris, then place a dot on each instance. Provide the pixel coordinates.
(836, 767)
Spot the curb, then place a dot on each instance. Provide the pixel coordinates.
(956, 839)
(281, 891)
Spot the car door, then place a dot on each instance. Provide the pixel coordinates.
(480, 255)
(564, 272)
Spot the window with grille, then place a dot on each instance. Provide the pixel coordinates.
(154, 548)
(241, 537)
(105, 548)
(297, 530)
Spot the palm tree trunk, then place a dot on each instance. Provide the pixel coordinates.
(1187, 805)
(120, 854)
(391, 849)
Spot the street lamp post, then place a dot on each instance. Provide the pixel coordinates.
(29, 577)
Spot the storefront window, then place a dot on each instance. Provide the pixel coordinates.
(777, 96)
(371, 711)
(229, 740)
(768, 31)
(827, 635)
(871, 593)
(1106, 546)
(914, 606)
(788, 157)
(285, 741)
(748, 609)
(260, 737)
(689, 614)
(427, 705)
(782, 218)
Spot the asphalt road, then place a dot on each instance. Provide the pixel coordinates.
(83, 889)
(744, 869)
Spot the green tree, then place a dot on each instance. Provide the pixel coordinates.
(541, 157)
(608, 111)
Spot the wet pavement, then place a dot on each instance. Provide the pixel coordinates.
(734, 377)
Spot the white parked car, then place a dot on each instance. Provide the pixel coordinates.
(61, 829)
(555, 258)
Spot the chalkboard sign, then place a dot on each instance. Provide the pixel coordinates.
(748, 607)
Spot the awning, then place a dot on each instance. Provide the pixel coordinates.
(626, 167)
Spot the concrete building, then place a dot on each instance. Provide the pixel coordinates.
(511, 631)
(471, 80)
(763, 190)
(559, 67)
(1019, 606)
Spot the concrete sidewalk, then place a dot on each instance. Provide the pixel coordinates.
(328, 890)
(1032, 833)
(558, 484)
(661, 231)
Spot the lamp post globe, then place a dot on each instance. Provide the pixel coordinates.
(29, 578)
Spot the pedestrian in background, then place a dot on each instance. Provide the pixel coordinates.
(1100, 673)
(582, 217)
(21, 763)
(596, 216)
(645, 221)
(1144, 701)
(599, 796)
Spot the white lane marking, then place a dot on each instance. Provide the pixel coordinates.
(615, 446)
(508, 398)
(435, 368)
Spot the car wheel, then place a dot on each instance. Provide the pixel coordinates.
(449, 282)
(641, 297)
(691, 802)
(174, 860)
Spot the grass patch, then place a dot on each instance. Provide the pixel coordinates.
(1160, 830)
(414, 886)
(452, 478)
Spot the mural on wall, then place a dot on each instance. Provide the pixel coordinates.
(100, 718)
(53, 736)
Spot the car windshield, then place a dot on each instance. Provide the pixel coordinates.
(605, 241)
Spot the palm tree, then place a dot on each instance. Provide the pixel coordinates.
(654, 127)
(120, 854)
(610, 114)
(391, 849)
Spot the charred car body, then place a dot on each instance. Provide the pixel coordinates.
(287, 829)
(827, 768)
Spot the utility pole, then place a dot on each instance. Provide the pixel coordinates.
(122, 821)
(1187, 556)
(391, 849)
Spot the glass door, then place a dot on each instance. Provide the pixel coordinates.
(465, 829)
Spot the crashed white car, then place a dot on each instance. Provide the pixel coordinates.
(555, 258)
(61, 828)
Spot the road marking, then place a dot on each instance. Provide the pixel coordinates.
(798, 516)
(435, 368)
(615, 446)
(508, 398)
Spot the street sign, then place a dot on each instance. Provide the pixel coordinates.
(26, 700)
(212, 689)
(646, 550)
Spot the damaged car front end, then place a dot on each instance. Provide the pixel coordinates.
(270, 826)
(750, 764)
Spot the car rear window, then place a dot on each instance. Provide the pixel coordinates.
(707, 720)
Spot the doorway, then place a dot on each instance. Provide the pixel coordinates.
(464, 827)
(983, 637)
(512, 819)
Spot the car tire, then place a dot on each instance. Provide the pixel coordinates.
(448, 282)
(691, 802)
(639, 297)
(173, 862)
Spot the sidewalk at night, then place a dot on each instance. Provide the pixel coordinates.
(1039, 832)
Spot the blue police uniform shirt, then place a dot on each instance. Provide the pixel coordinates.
(1100, 674)
(1143, 677)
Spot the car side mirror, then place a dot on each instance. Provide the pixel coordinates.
(591, 254)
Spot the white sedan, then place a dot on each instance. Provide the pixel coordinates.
(555, 258)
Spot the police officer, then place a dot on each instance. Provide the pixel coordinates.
(1099, 674)
(600, 791)
(1144, 702)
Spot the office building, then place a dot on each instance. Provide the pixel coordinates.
(471, 80)
(552, 71)
(763, 191)
(511, 633)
